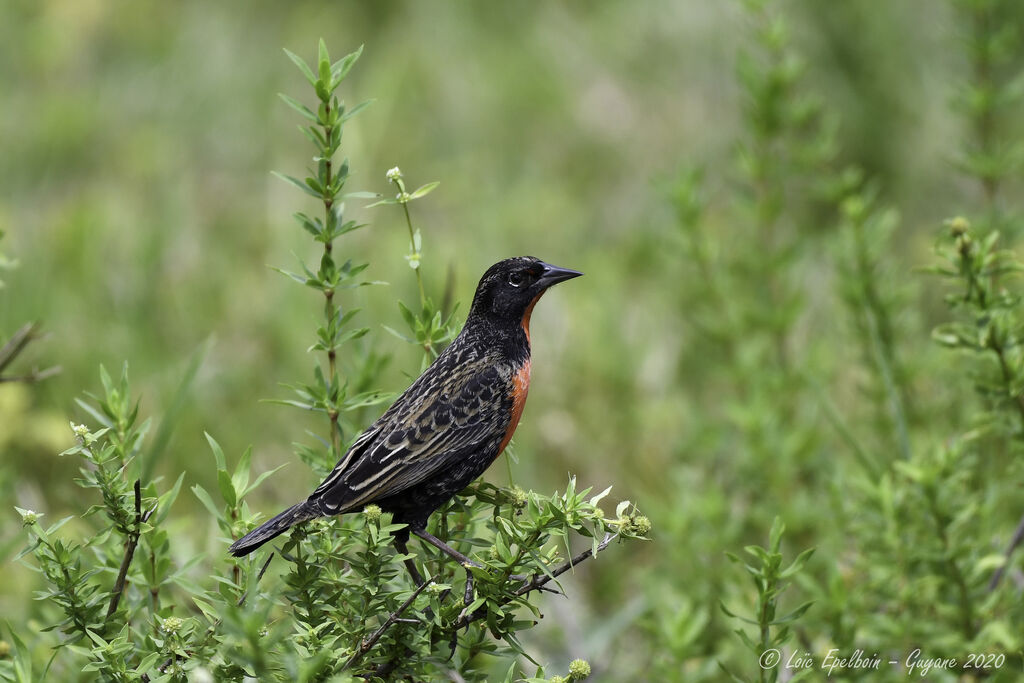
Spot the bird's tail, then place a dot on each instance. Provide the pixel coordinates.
(270, 529)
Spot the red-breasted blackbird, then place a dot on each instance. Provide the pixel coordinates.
(448, 426)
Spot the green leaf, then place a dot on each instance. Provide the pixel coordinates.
(167, 500)
(259, 480)
(207, 501)
(341, 68)
(298, 183)
(408, 316)
(299, 107)
(356, 109)
(324, 64)
(398, 334)
(797, 564)
(240, 478)
(775, 536)
(218, 453)
(424, 190)
(794, 615)
(22, 658)
(303, 67)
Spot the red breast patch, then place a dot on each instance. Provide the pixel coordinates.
(520, 388)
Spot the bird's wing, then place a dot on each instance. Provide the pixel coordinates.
(443, 417)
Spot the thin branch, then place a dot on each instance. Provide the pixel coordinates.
(1018, 537)
(537, 582)
(368, 644)
(34, 376)
(16, 344)
(13, 348)
(241, 600)
(129, 550)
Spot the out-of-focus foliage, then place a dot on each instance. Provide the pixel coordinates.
(749, 188)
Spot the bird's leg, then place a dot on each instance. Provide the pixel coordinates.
(417, 578)
(445, 548)
(433, 540)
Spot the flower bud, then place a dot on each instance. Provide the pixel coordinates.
(29, 517)
(958, 226)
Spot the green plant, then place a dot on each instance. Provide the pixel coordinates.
(770, 579)
(125, 608)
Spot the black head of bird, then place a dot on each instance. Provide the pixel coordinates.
(509, 289)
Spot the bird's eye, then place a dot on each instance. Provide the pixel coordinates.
(516, 278)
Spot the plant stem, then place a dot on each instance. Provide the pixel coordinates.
(330, 309)
(129, 553)
(412, 245)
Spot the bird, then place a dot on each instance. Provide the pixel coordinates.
(448, 427)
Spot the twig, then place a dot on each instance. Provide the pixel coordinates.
(241, 600)
(537, 582)
(129, 550)
(34, 376)
(1018, 537)
(14, 346)
(367, 644)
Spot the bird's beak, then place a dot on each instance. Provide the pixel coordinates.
(552, 275)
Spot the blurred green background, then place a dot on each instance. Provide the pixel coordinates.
(135, 193)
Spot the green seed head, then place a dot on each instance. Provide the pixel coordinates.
(172, 624)
(372, 513)
(579, 669)
(518, 497)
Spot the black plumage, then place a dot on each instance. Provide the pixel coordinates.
(449, 425)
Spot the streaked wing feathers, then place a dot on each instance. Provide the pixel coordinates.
(451, 411)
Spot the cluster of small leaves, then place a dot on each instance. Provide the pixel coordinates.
(522, 540)
(432, 327)
(233, 487)
(990, 325)
(992, 94)
(789, 137)
(327, 393)
(352, 609)
(866, 226)
(770, 580)
(111, 605)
